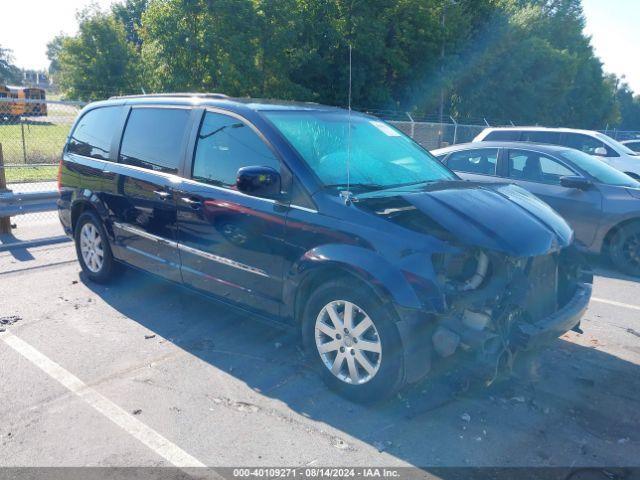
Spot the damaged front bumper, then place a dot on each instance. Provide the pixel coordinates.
(516, 306)
(531, 335)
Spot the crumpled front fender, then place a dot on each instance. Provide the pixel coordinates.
(388, 280)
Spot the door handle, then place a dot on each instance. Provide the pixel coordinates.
(192, 202)
(161, 194)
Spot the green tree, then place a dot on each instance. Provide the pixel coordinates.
(522, 60)
(277, 49)
(9, 73)
(130, 14)
(53, 53)
(533, 64)
(98, 61)
(200, 45)
(394, 46)
(629, 107)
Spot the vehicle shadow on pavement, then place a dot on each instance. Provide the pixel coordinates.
(602, 267)
(579, 407)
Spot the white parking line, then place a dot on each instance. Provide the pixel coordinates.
(617, 304)
(106, 407)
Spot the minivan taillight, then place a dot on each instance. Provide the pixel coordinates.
(60, 176)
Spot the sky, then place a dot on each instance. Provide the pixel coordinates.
(40, 21)
(614, 26)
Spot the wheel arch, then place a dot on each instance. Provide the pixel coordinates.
(610, 235)
(87, 201)
(332, 261)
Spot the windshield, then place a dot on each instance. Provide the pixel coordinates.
(378, 155)
(599, 170)
(616, 144)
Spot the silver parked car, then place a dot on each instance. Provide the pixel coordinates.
(601, 204)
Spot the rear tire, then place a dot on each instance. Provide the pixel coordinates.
(624, 249)
(93, 249)
(350, 363)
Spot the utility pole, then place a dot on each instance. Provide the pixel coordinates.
(443, 20)
(5, 222)
(442, 51)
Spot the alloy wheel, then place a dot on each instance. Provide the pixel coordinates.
(348, 342)
(91, 247)
(631, 249)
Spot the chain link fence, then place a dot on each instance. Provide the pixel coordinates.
(31, 141)
(433, 135)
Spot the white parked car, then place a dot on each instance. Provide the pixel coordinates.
(594, 143)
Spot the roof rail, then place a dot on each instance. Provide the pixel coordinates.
(165, 95)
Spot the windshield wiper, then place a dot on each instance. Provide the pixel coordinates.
(360, 186)
(419, 182)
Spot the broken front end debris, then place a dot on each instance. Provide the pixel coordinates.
(498, 306)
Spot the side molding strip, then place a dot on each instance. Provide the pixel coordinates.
(209, 256)
(223, 260)
(143, 234)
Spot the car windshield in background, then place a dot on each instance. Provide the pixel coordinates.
(618, 146)
(379, 156)
(599, 170)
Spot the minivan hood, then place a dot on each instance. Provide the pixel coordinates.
(503, 218)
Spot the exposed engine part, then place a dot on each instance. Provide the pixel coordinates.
(506, 345)
(505, 358)
(464, 271)
(475, 339)
(481, 272)
(475, 320)
(445, 342)
(493, 298)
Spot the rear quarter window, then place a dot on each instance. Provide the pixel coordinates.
(503, 136)
(551, 138)
(94, 132)
(587, 144)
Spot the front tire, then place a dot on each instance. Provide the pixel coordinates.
(624, 249)
(352, 340)
(93, 250)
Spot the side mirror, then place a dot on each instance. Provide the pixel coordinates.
(580, 183)
(600, 152)
(259, 181)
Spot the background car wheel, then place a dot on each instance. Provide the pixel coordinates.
(352, 339)
(624, 249)
(93, 250)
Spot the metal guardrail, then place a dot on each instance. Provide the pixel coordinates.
(12, 204)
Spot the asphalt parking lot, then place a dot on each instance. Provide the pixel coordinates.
(142, 373)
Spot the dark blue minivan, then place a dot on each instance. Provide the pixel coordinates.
(327, 221)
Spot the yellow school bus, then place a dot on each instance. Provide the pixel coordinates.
(5, 103)
(22, 102)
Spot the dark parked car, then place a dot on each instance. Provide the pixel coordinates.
(601, 204)
(333, 224)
